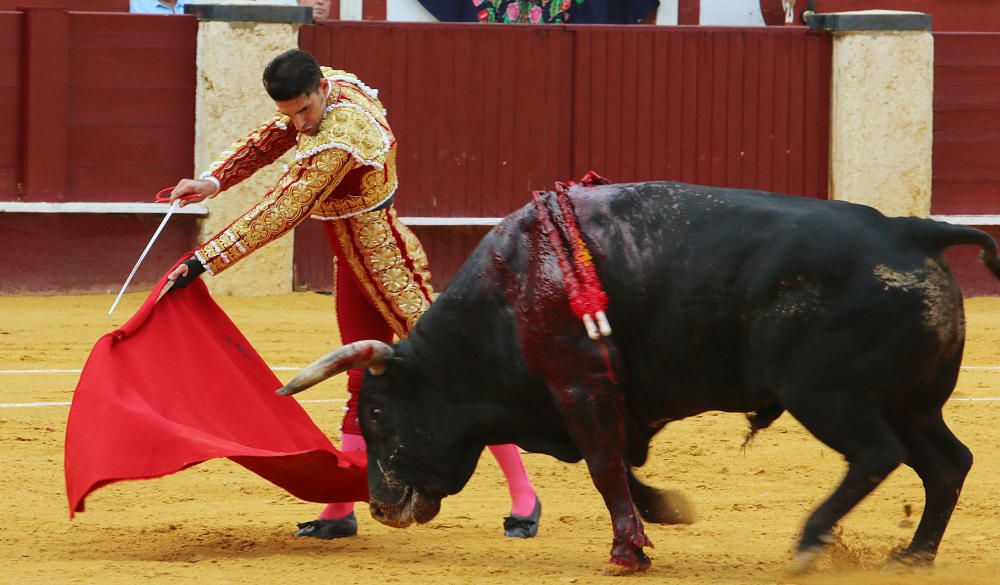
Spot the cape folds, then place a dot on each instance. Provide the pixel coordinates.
(179, 384)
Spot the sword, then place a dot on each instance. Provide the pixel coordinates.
(156, 234)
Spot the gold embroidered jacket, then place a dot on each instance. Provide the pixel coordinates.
(347, 168)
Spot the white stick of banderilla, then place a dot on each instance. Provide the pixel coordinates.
(142, 256)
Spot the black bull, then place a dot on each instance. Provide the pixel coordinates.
(720, 299)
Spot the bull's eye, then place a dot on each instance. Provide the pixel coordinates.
(376, 412)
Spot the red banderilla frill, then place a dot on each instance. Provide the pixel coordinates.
(587, 298)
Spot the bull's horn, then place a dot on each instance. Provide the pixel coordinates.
(360, 354)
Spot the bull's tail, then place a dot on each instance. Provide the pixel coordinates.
(938, 236)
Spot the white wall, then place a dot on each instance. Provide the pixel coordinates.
(407, 11)
(667, 12)
(731, 13)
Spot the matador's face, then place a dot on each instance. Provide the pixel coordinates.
(306, 110)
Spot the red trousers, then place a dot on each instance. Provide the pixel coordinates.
(381, 283)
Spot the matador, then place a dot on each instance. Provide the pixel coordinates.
(344, 173)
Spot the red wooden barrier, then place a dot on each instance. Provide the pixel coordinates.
(108, 110)
(727, 107)
(11, 24)
(86, 5)
(966, 123)
(486, 113)
(93, 107)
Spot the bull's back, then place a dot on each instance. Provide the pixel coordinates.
(712, 289)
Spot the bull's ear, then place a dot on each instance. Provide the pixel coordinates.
(370, 354)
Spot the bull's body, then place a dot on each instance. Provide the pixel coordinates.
(720, 299)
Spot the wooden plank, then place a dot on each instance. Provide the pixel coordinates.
(966, 109)
(132, 79)
(11, 25)
(61, 265)
(749, 149)
(674, 151)
(614, 105)
(782, 83)
(46, 104)
(582, 135)
(561, 75)
(733, 84)
(688, 11)
(822, 127)
(114, 146)
(596, 80)
(133, 31)
(374, 10)
(659, 106)
(135, 182)
(470, 75)
(140, 108)
(91, 5)
(968, 196)
(644, 105)
(704, 108)
(628, 152)
(307, 42)
(538, 170)
(490, 171)
(718, 151)
(796, 115)
(813, 116)
(766, 114)
(689, 107)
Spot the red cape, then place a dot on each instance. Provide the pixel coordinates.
(178, 384)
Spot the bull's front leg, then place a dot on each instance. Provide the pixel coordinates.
(594, 417)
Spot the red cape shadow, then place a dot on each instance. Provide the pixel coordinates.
(179, 384)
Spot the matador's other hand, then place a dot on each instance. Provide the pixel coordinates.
(193, 191)
(186, 272)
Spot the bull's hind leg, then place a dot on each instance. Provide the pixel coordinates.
(942, 462)
(660, 506)
(594, 417)
(859, 432)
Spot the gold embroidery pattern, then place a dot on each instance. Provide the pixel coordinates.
(284, 207)
(376, 185)
(352, 127)
(379, 261)
(258, 149)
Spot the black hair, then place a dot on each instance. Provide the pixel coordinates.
(291, 74)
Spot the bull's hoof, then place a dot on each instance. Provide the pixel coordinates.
(516, 526)
(806, 556)
(616, 568)
(667, 507)
(909, 561)
(329, 529)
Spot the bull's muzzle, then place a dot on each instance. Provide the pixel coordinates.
(411, 507)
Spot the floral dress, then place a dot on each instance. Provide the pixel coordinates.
(542, 11)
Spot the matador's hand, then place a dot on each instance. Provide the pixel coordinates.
(193, 191)
(185, 272)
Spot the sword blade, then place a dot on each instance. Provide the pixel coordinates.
(142, 256)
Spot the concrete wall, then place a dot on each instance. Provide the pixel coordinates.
(881, 119)
(230, 102)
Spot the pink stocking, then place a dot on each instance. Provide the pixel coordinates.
(341, 509)
(522, 493)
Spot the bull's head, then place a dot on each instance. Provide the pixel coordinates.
(417, 450)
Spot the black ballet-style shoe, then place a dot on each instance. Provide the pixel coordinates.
(329, 529)
(516, 526)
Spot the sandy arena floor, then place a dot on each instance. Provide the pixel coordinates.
(218, 523)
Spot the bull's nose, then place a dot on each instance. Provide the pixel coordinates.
(376, 511)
